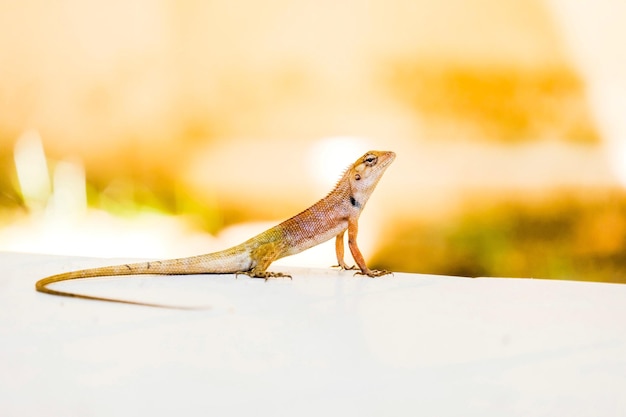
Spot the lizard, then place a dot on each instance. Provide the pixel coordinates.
(330, 217)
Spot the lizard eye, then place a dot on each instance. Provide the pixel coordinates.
(370, 160)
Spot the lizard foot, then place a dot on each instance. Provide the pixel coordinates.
(267, 275)
(373, 273)
(345, 267)
(264, 274)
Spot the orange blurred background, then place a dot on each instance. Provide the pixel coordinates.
(169, 128)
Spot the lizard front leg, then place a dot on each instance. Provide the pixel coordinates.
(353, 229)
(339, 250)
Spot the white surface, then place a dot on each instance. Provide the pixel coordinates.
(324, 343)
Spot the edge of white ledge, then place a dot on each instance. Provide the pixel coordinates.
(325, 341)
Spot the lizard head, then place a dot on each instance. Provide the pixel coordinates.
(365, 173)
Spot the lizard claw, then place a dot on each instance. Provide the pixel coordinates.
(373, 273)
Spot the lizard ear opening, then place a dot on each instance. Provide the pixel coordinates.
(357, 177)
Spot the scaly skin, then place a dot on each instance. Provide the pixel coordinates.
(330, 217)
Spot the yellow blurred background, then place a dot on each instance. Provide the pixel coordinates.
(171, 128)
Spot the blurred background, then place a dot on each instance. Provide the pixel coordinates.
(172, 128)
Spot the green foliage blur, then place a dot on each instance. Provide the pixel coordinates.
(567, 236)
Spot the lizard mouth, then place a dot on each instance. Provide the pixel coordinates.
(390, 156)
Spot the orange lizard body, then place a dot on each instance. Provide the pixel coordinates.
(330, 217)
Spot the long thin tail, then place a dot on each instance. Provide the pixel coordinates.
(130, 269)
(233, 260)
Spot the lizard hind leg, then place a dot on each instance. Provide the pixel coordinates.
(262, 257)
